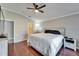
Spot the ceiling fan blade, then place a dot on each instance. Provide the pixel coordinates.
(34, 5)
(41, 11)
(42, 6)
(30, 8)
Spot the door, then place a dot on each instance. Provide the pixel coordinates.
(9, 30)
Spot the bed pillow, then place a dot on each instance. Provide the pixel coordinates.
(53, 32)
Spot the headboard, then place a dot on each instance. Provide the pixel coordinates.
(60, 29)
(53, 32)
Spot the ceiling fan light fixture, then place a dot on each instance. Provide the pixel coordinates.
(37, 8)
(36, 11)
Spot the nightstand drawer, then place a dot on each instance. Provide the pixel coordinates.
(69, 45)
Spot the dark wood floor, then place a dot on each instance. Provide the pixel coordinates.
(21, 49)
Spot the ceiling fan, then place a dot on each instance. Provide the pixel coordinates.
(37, 8)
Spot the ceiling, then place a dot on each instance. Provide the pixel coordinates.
(52, 10)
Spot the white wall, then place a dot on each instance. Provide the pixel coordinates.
(70, 23)
(20, 25)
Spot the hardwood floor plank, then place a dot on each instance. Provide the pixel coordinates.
(21, 49)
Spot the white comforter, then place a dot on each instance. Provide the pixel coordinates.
(45, 43)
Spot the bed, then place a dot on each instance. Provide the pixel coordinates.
(47, 43)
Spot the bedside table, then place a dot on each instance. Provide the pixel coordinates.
(70, 43)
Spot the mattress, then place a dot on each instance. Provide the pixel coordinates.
(45, 43)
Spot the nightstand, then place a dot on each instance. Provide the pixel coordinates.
(70, 43)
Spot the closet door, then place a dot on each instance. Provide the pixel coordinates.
(30, 28)
(9, 30)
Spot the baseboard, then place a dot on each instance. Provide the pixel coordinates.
(19, 40)
(77, 47)
(11, 41)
